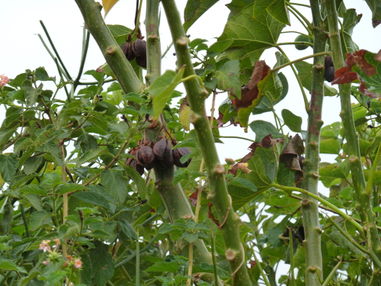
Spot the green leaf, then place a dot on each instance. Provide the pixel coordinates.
(375, 7)
(263, 128)
(94, 197)
(8, 166)
(292, 121)
(330, 146)
(228, 77)
(116, 184)
(305, 75)
(161, 89)
(249, 31)
(264, 167)
(194, 9)
(69, 187)
(98, 265)
(9, 265)
(278, 9)
(137, 178)
(242, 191)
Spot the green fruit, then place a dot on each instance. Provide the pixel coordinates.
(300, 42)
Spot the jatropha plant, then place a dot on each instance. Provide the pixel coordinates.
(117, 180)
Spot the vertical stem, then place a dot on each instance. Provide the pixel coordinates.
(109, 47)
(153, 41)
(137, 260)
(364, 198)
(310, 211)
(218, 194)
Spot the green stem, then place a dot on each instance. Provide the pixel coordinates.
(177, 205)
(153, 41)
(113, 54)
(354, 243)
(218, 193)
(317, 54)
(137, 260)
(329, 277)
(326, 203)
(365, 201)
(85, 48)
(306, 105)
(237, 137)
(67, 74)
(310, 209)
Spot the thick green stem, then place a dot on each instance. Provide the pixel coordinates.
(91, 12)
(178, 206)
(153, 41)
(228, 221)
(175, 201)
(310, 210)
(365, 201)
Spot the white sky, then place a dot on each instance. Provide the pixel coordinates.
(21, 48)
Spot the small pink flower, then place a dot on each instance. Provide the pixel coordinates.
(45, 262)
(3, 80)
(77, 263)
(44, 246)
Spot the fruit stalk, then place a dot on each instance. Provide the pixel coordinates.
(218, 194)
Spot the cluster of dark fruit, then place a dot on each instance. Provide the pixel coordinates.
(160, 154)
(136, 50)
(329, 69)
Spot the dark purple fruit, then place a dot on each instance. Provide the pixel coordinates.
(139, 48)
(128, 51)
(163, 151)
(178, 153)
(146, 157)
(329, 70)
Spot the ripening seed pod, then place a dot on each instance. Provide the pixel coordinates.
(329, 69)
(177, 154)
(128, 51)
(146, 157)
(139, 48)
(163, 151)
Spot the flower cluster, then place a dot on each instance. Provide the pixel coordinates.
(3, 80)
(52, 248)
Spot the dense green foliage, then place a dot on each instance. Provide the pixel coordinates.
(75, 208)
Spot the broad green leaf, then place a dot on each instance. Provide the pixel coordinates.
(305, 75)
(263, 128)
(69, 187)
(293, 121)
(39, 219)
(120, 33)
(34, 200)
(194, 9)
(98, 265)
(242, 191)
(8, 166)
(10, 265)
(330, 146)
(278, 9)
(249, 31)
(32, 164)
(161, 89)
(264, 167)
(116, 184)
(94, 198)
(228, 77)
(108, 4)
(137, 178)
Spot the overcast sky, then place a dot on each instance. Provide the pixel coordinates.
(21, 48)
